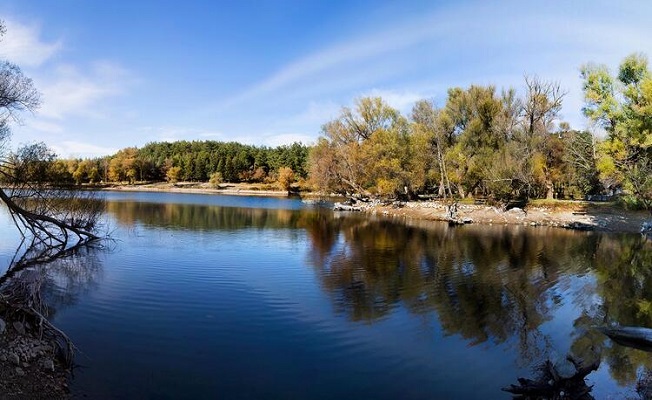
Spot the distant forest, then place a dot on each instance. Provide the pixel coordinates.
(195, 161)
(496, 144)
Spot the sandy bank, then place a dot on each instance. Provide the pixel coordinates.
(201, 188)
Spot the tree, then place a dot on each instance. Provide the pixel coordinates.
(347, 154)
(53, 221)
(285, 178)
(216, 179)
(469, 120)
(430, 135)
(173, 174)
(622, 106)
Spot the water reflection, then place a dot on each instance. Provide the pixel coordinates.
(68, 279)
(201, 217)
(488, 284)
(484, 283)
(61, 280)
(495, 284)
(623, 296)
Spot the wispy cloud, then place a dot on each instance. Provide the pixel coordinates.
(401, 100)
(75, 149)
(44, 126)
(280, 139)
(471, 43)
(23, 45)
(73, 91)
(391, 39)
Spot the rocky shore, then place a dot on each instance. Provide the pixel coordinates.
(569, 215)
(564, 214)
(28, 364)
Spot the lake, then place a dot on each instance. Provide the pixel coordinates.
(206, 296)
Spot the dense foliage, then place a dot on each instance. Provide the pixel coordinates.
(480, 142)
(498, 144)
(197, 161)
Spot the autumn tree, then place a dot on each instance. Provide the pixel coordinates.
(469, 119)
(349, 153)
(286, 178)
(622, 106)
(430, 143)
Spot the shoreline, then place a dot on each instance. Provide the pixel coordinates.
(197, 188)
(583, 216)
(576, 215)
(29, 365)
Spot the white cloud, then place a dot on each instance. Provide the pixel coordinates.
(400, 100)
(390, 39)
(74, 149)
(22, 45)
(280, 139)
(475, 42)
(44, 126)
(71, 91)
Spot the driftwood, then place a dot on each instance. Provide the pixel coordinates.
(630, 336)
(551, 385)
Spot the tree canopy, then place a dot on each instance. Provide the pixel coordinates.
(621, 104)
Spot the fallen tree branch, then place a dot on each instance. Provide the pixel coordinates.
(551, 385)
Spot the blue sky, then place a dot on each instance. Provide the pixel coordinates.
(120, 73)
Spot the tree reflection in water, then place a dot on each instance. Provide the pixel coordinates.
(61, 280)
(486, 283)
(496, 284)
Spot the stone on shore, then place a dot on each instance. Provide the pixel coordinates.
(18, 326)
(48, 364)
(646, 228)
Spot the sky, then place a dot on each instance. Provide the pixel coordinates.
(122, 73)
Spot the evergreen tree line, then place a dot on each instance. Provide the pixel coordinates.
(195, 161)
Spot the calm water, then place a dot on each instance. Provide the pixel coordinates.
(242, 297)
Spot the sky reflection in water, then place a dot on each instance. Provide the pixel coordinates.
(276, 299)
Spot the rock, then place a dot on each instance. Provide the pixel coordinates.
(13, 357)
(3, 357)
(19, 327)
(345, 207)
(578, 226)
(3, 326)
(19, 371)
(646, 228)
(48, 364)
(467, 220)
